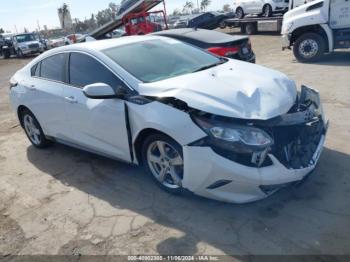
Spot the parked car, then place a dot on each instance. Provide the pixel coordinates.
(118, 33)
(7, 49)
(262, 7)
(236, 47)
(2, 43)
(221, 128)
(57, 42)
(209, 20)
(181, 23)
(27, 44)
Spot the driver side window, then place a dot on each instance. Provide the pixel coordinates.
(85, 70)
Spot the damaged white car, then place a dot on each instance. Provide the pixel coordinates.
(220, 128)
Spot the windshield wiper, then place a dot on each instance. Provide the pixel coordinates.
(222, 61)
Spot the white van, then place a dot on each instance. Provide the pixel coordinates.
(263, 7)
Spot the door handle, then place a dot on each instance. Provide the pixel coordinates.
(71, 99)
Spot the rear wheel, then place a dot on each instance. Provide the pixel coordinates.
(33, 130)
(267, 11)
(162, 157)
(309, 47)
(239, 13)
(250, 28)
(222, 24)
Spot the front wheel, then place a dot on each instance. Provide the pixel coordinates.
(19, 53)
(33, 130)
(267, 11)
(163, 159)
(309, 47)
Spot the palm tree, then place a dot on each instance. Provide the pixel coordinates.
(188, 6)
(63, 11)
(205, 4)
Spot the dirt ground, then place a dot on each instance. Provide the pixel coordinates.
(64, 201)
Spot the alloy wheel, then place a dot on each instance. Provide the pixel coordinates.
(165, 163)
(32, 129)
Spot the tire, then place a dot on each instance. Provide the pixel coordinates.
(33, 130)
(7, 55)
(19, 53)
(163, 159)
(267, 11)
(222, 24)
(309, 47)
(250, 28)
(239, 13)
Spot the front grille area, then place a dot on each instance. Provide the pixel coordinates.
(295, 145)
(33, 46)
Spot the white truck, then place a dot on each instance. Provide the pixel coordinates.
(316, 28)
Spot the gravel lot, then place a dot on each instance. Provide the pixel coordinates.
(64, 201)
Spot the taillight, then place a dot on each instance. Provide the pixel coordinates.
(224, 51)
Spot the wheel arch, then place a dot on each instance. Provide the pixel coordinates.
(20, 110)
(140, 138)
(318, 29)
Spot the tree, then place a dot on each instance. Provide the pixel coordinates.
(176, 12)
(104, 16)
(63, 11)
(226, 8)
(188, 7)
(2, 31)
(114, 7)
(205, 4)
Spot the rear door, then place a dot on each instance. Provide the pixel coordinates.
(45, 95)
(340, 14)
(97, 124)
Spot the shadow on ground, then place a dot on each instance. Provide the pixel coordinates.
(313, 218)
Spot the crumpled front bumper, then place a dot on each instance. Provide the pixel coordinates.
(211, 175)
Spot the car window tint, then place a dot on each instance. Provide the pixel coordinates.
(53, 67)
(85, 70)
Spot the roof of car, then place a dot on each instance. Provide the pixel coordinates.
(203, 35)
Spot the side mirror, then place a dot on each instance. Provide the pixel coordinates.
(99, 91)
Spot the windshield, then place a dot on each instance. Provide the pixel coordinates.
(25, 38)
(156, 60)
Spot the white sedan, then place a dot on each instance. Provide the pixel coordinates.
(262, 7)
(221, 128)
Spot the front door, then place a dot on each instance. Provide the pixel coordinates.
(96, 124)
(339, 14)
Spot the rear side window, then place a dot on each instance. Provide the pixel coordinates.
(85, 70)
(52, 68)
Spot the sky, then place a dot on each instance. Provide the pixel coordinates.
(19, 13)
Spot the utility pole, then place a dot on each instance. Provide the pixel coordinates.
(198, 5)
(16, 29)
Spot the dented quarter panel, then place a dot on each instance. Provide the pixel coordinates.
(234, 89)
(171, 121)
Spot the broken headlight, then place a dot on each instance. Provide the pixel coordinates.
(239, 138)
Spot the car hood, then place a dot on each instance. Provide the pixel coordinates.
(234, 89)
